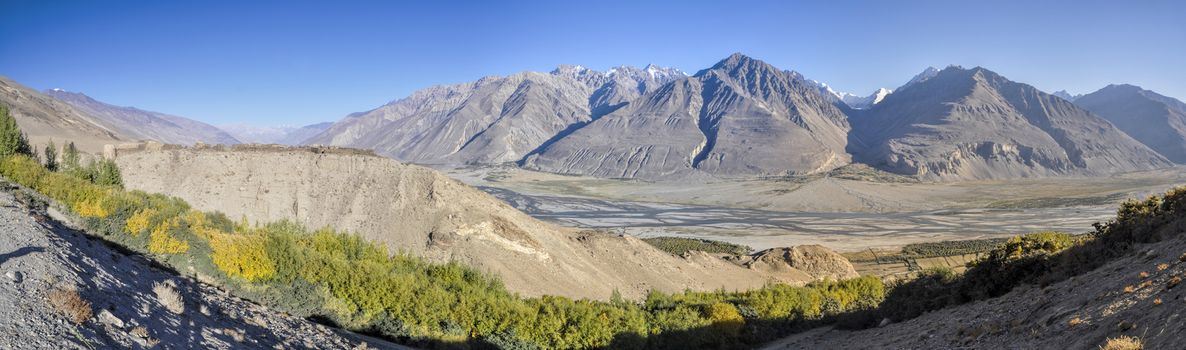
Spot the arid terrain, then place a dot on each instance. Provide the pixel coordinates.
(1137, 295)
(844, 213)
(420, 211)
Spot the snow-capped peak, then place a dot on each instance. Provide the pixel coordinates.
(1066, 95)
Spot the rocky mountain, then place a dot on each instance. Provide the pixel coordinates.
(44, 118)
(975, 124)
(422, 212)
(928, 73)
(865, 102)
(140, 124)
(1155, 120)
(741, 117)
(1066, 95)
(494, 119)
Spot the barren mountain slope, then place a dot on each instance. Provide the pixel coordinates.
(492, 120)
(742, 117)
(1045, 318)
(39, 256)
(975, 124)
(145, 125)
(299, 135)
(1155, 120)
(421, 211)
(44, 118)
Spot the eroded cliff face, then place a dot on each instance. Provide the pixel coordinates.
(422, 212)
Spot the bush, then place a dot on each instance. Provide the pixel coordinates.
(160, 241)
(70, 304)
(680, 246)
(168, 297)
(1123, 342)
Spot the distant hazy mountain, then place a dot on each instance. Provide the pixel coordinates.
(494, 119)
(145, 125)
(1155, 120)
(44, 118)
(849, 99)
(299, 135)
(975, 124)
(257, 134)
(1066, 95)
(741, 117)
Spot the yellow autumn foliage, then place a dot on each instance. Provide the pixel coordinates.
(242, 256)
(91, 209)
(140, 221)
(160, 242)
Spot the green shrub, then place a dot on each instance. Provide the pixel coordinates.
(12, 140)
(680, 246)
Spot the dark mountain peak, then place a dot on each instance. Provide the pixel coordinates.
(737, 65)
(929, 72)
(1122, 88)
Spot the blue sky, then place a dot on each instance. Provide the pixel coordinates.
(298, 62)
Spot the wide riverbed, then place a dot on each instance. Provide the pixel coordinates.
(765, 228)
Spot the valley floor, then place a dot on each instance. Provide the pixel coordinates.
(843, 214)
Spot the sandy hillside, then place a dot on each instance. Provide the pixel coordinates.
(1079, 313)
(40, 256)
(44, 118)
(420, 211)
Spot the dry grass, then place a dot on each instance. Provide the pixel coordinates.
(235, 334)
(139, 332)
(1129, 289)
(1145, 284)
(1144, 274)
(168, 297)
(1123, 342)
(1173, 282)
(68, 302)
(1076, 321)
(1157, 301)
(1162, 266)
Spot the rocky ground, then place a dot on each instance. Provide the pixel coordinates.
(1139, 295)
(64, 289)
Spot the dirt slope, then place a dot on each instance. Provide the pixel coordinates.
(39, 255)
(420, 211)
(1041, 318)
(43, 118)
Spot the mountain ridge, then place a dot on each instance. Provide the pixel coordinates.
(143, 124)
(1155, 120)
